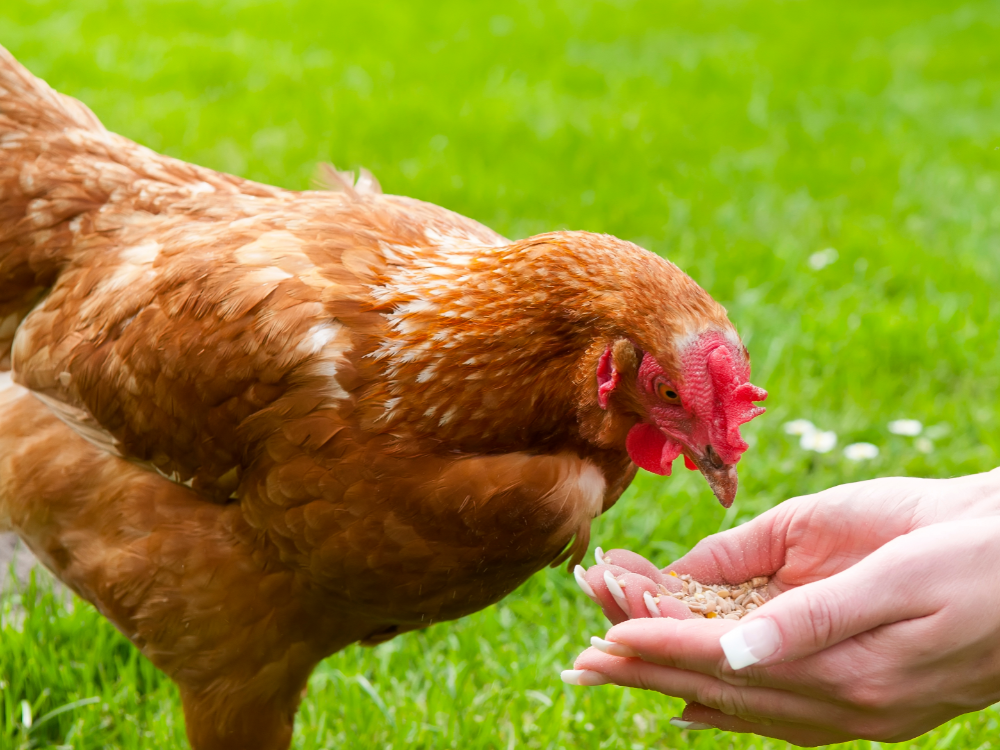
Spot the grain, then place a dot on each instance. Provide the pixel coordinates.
(730, 602)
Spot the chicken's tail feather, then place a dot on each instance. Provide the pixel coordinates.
(58, 168)
(40, 132)
(28, 103)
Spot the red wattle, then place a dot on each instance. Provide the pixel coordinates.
(651, 450)
(688, 463)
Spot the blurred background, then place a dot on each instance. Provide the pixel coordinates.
(829, 170)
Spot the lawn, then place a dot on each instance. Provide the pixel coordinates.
(830, 171)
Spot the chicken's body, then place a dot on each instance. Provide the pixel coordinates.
(253, 426)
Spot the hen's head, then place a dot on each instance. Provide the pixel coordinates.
(690, 400)
(560, 338)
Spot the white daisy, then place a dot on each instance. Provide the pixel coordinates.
(860, 451)
(799, 427)
(907, 427)
(820, 260)
(819, 441)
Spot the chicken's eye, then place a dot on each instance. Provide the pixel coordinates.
(668, 394)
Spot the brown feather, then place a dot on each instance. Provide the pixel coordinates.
(294, 421)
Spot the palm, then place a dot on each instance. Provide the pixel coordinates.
(802, 541)
(876, 639)
(820, 539)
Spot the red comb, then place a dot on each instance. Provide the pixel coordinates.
(734, 402)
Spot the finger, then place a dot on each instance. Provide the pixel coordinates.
(598, 588)
(841, 525)
(594, 667)
(665, 606)
(754, 549)
(797, 734)
(607, 584)
(621, 593)
(690, 643)
(888, 586)
(611, 599)
(633, 562)
(694, 645)
(595, 575)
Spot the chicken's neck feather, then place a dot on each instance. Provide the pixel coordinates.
(495, 348)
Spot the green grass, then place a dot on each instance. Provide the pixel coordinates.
(735, 137)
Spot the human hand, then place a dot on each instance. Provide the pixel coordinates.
(884, 627)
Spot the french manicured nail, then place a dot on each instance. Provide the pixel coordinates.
(599, 556)
(578, 572)
(692, 725)
(750, 643)
(584, 677)
(617, 593)
(651, 606)
(610, 647)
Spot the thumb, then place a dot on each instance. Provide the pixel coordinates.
(756, 548)
(888, 586)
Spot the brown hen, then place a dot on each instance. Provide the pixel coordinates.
(253, 426)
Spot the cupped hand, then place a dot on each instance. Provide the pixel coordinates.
(884, 624)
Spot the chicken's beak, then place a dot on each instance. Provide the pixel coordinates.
(721, 477)
(723, 483)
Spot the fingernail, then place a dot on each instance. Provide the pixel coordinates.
(651, 605)
(583, 677)
(610, 647)
(692, 725)
(599, 556)
(617, 592)
(578, 572)
(750, 643)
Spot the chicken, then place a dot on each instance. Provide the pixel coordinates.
(253, 426)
